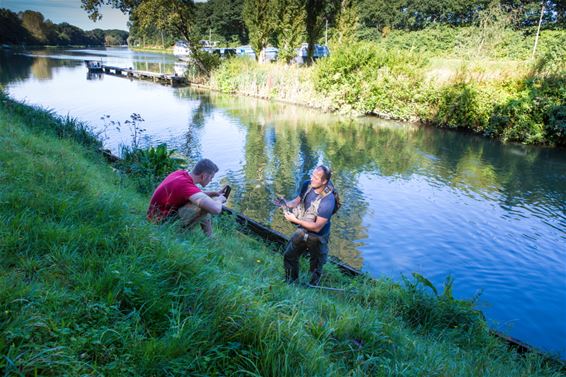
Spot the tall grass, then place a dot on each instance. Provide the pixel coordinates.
(275, 81)
(88, 287)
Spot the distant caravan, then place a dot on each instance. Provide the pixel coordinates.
(320, 51)
(182, 50)
(93, 65)
(271, 53)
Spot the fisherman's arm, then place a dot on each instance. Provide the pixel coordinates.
(208, 204)
(293, 203)
(308, 225)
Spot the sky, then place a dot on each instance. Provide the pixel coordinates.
(69, 11)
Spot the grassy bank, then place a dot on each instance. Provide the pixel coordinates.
(88, 287)
(457, 78)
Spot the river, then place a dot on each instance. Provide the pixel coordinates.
(416, 199)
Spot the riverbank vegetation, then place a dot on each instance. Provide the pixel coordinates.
(30, 28)
(90, 287)
(480, 77)
(512, 100)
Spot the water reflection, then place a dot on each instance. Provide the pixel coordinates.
(94, 75)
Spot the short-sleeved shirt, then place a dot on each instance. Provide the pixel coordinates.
(325, 208)
(171, 194)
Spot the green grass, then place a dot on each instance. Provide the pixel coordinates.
(88, 287)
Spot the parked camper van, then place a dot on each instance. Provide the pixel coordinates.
(320, 51)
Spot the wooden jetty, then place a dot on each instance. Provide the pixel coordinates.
(161, 78)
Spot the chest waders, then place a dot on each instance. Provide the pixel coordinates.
(311, 213)
(302, 241)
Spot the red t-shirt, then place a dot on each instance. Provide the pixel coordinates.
(171, 194)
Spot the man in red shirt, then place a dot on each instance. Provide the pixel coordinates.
(179, 196)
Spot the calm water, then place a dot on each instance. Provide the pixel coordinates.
(415, 199)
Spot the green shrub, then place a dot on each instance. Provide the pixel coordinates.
(534, 114)
(464, 105)
(448, 41)
(367, 78)
(148, 167)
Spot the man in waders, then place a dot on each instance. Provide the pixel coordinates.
(179, 197)
(311, 210)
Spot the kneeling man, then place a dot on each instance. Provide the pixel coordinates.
(178, 196)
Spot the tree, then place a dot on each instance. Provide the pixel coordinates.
(318, 13)
(71, 35)
(33, 22)
(259, 17)
(95, 37)
(92, 7)
(347, 24)
(226, 19)
(291, 27)
(11, 29)
(177, 16)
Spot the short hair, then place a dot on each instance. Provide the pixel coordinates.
(205, 166)
(326, 173)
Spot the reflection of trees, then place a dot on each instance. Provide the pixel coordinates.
(192, 147)
(19, 67)
(157, 67)
(520, 174)
(42, 68)
(280, 156)
(14, 67)
(257, 195)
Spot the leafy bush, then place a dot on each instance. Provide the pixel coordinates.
(535, 115)
(465, 105)
(447, 41)
(149, 166)
(367, 78)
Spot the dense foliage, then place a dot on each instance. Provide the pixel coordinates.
(382, 15)
(525, 104)
(223, 20)
(31, 28)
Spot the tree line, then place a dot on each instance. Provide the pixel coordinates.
(288, 23)
(31, 28)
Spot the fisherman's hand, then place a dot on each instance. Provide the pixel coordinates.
(279, 202)
(220, 198)
(289, 216)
